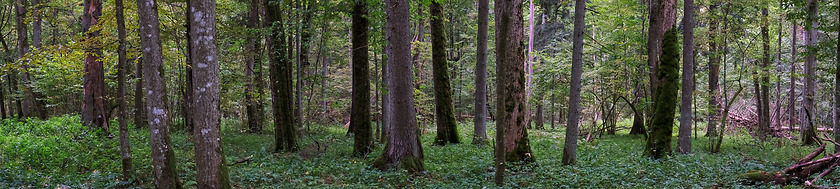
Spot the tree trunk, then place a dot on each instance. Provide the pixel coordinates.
(211, 170)
(163, 155)
(252, 59)
(510, 80)
(139, 107)
(416, 58)
(23, 49)
(387, 106)
(360, 110)
(539, 121)
(809, 132)
(572, 127)
(281, 82)
(187, 104)
(404, 150)
(480, 128)
(125, 146)
(765, 77)
(447, 126)
(303, 57)
(792, 95)
(93, 108)
(686, 116)
(837, 91)
(714, 74)
(529, 65)
(37, 108)
(659, 143)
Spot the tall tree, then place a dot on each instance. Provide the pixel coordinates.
(666, 83)
(714, 73)
(163, 156)
(188, 94)
(27, 108)
(93, 106)
(360, 110)
(252, 59)
(480, 129)
(510, 79)
(570, 146)
(403, 150)
(837, 89)
(447, 126)
(529, 65)
(809, 133)
(139, 106)
(765, 78)
(209, 157)
(125, 145)
(686, 116)
(792, 95)
(281, 81)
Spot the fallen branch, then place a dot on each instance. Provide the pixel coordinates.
(243, 160)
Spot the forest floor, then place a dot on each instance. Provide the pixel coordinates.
(58, 153)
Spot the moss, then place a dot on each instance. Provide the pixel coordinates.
(661, 129)
(407, 162)
(753, 177)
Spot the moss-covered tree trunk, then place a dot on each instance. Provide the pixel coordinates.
(659, 143)
(447, 126)
(163, 155)
(403, 150)
(360, 109)
(510, 81)
(281, 81)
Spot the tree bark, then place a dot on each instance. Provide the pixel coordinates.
(187, 104)
(403, 150)
(23, 48)
(659, 143)
(808, 131)
(360, 110)
(93, 108)
(37, 108)
(837, 91)
(686, 116)
(529, 65)
(480, 128)
(125, 145)
(792, 95)
(211, 170)
(714, 74)
(252, 59)
(765, 78)
(510, 82)
(447, 126)
(139, 106)
(281, 82)
(570, 146)
(163, 156)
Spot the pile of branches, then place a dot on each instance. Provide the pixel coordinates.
(801, 171)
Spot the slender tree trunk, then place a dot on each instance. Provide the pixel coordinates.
(510, 80)
(209, 157)
(37, 108)
(23, 49)
(404, 150)
(686, 116)
(163, 156)
(416, 59)
(387, 106)
(714, 74)
(125, 145)
(792, 95)
(572, 127)
(139, 107)
(836, 91)
(360, 110)
(809, 132)
(251, 102)
(93, 109)
(281, 81)
(539, 121)
(303, 57)
(765, 78)
(529, 65)
(189, 117)
(480, 128)
(447, 126)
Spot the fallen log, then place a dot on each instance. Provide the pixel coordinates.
(801, 171)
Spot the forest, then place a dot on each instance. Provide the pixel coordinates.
(419, 94)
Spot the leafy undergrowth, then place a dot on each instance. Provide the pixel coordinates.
(62, 153)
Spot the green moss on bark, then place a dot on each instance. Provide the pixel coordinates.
(661, 130)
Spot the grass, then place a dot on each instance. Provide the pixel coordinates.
(59, 153)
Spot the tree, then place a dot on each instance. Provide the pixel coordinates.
(25, 108)
(664, 39)
(163, 156)
(93, 106)
(809, 133)
(125, 146)
(570, 146)
(792, 95)
(209, 157)
(403, 150)
(447, 126)
(251, 103)
(139, 106)
(480, 128)
(281, 81)
(510, 79)
(686, 116)
(837, 90)
(765, 78)
(360, 110)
